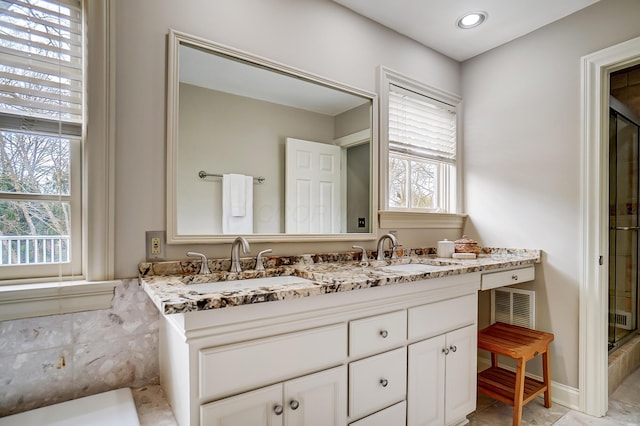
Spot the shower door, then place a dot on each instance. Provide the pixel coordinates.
(624, 223)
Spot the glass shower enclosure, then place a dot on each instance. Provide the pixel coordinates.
(624, 223)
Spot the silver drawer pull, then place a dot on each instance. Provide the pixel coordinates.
(384, 382)
(514, 277)
(294, 404)
(384, 334)
(445, 351)
(453, 348)
(278, 409)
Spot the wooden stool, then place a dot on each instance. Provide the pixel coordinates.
(521, 344)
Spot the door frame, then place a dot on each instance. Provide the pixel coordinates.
(596, 69)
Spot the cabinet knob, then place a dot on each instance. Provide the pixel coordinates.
(514, 277)
(384, 334)
(294, 404)
(278, 409)
(453, 348)
(445, 351)
(384, 382)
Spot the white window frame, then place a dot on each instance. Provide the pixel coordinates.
(95, 287)
(415, 218)
(40, 256)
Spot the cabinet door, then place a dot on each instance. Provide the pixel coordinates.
(256, 408)
(461, 373)
(426, 382)
(317, 399)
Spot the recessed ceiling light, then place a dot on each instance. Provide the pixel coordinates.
(471, 20)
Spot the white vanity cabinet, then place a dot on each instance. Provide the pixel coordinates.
(442, 369)
(313, 400)
(442, 382)
(336, 359)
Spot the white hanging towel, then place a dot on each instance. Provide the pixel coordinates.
(237, 204)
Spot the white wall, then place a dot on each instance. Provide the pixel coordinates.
(522, 156)
(318, 36)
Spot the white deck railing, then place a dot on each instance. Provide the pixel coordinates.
(33, 250)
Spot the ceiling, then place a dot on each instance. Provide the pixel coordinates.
(433, 22)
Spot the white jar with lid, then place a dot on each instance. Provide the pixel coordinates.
(445, 248)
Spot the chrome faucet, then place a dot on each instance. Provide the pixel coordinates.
(204, 267)
(394, 244)
(235, 253)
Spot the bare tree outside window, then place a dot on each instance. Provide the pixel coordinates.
(423, 185)
(398, 169)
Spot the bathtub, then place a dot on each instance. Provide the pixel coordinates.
(105, 409)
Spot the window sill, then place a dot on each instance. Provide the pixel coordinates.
(417, 220)
(52, 298)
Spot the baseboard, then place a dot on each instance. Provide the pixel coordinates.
(564, 395)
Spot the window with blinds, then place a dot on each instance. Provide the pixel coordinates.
(41, 122)
(422, 142)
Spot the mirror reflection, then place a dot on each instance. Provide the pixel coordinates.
(260, 150)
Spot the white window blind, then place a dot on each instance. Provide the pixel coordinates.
(421, 126)
(41, 68)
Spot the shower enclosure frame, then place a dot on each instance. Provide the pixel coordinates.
(624, 224)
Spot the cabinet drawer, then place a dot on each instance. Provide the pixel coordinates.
(440, 317)
(396, 415)
(378, 333)
(239, 367)
(377, 382)
(503, 278)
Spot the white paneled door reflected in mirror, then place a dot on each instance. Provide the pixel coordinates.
(230, 115)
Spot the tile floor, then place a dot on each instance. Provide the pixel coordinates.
(152, 406)
(624, 409)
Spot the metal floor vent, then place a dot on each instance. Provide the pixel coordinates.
(513, 306)
(621, 319)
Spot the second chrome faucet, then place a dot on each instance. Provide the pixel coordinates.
(394, 245)
(236, 266)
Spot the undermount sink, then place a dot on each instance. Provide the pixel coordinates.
(412, 267)
(248, 284)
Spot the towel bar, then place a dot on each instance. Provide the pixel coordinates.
(202, 174)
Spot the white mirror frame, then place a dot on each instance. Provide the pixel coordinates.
(175, 39)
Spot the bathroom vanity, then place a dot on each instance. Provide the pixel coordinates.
(390, 343)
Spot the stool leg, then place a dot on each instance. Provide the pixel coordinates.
(518, 395)
(546, 373)
(494, 359)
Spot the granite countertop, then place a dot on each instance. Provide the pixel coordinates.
(168, 283)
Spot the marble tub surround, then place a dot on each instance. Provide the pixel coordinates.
(167, 283)
(51, 359)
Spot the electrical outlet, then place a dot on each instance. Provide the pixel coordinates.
(155, 245)
(361, 222)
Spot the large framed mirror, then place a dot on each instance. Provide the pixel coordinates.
(259, 149)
